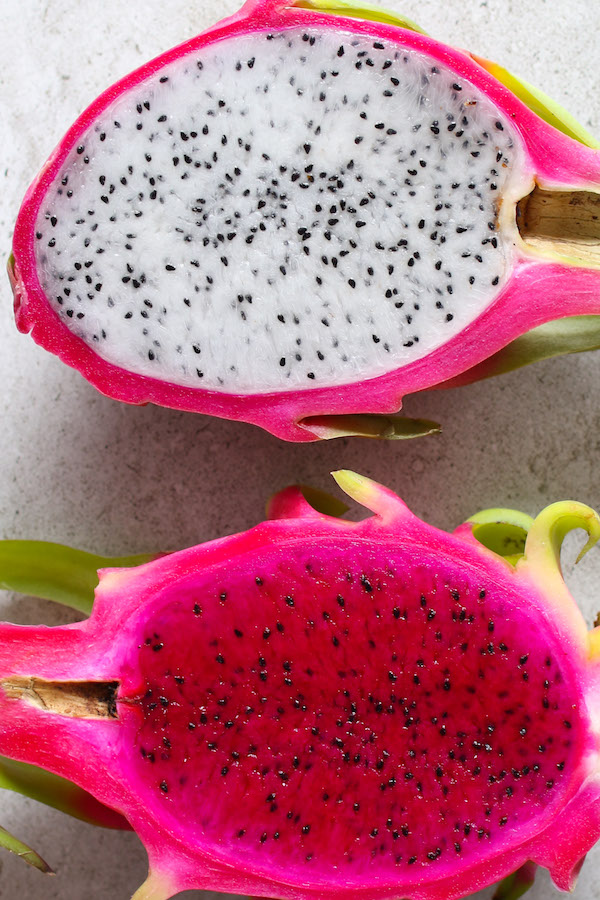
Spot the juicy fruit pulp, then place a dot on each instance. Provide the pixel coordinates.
(276, 287)
(319, 707)
(384, 693)
(298, 216)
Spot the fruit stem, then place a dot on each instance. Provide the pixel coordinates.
(563, 223)
(77, 699)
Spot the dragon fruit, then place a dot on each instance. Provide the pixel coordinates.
(306, 213)
(325, 708)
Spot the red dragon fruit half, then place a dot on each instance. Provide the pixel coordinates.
(319, 708)
(305, 213)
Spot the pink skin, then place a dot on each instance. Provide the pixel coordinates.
(539, 290)
(87, 752)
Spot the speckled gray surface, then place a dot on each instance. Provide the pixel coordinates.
(78, 468)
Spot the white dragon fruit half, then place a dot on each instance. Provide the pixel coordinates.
(304, 214)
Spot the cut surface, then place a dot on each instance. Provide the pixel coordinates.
(348, 714)
(280, 212)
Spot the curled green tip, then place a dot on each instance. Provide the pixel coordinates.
(56, 572)
(386, 428)
(552, 525)
(10, 842)
(503, 531)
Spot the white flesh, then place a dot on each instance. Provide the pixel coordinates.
(282, 212)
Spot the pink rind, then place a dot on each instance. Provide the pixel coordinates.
(538, 291)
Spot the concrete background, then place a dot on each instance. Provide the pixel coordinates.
(78, 468)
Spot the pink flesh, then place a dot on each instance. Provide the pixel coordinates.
(558, 290)
(410, 695)
(173, 623)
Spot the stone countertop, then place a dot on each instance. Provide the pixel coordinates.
(81, 469)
